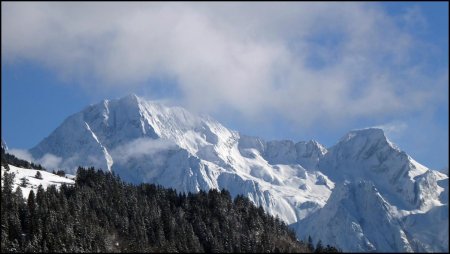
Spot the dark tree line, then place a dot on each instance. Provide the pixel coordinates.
(101, 213)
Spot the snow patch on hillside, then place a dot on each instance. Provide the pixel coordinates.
(33, 183)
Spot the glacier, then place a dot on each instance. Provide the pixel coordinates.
(362, 194)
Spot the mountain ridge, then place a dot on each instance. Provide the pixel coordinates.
(144, 141)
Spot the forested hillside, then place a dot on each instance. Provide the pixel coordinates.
(101, 213)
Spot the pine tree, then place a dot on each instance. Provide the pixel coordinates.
(310, 244)
(38, 175)
(23, 182)
(319, 247)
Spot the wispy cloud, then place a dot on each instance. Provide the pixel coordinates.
(414, 17)
(393, 128)
(21, 154)
(141, 147)
(48, 161)
(307, 62)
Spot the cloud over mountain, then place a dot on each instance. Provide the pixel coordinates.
(303, 61)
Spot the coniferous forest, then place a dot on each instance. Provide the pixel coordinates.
(101, 213)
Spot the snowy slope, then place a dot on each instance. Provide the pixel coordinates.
(33, 183)
(144, 141)
(368, 154)
(384, 200)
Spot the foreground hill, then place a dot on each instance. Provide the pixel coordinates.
(101, 213)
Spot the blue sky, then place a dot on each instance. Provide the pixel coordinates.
(276, 70)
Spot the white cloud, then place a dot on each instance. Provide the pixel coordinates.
(21, 154)
(48, 161)
(393, 128)
(141, 147)
(307, 62)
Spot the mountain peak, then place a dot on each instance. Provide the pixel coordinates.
(133, 98)
(318, 145)
(363, 143)
(372, 133)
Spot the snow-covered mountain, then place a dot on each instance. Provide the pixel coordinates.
(362, 194)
